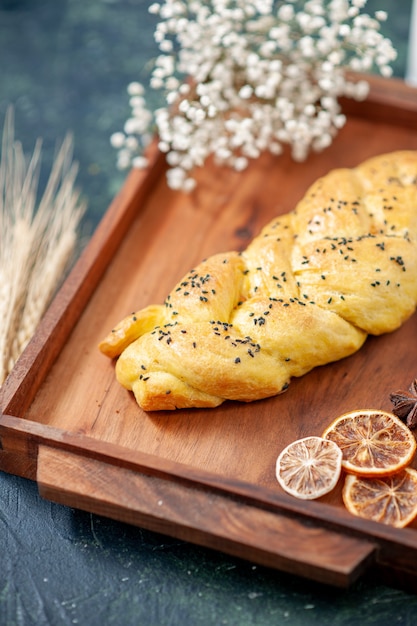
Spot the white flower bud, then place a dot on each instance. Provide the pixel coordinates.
(140, 162)
(386, 71)
(175, 177)
(117, 140)
(240, 164)
(246, 92)
(123, 159)
(135, 89)
(131, 143)
(286, 12)
(163, 146)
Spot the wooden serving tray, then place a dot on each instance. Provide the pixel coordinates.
(206, 476)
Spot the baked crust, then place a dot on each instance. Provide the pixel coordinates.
(307, 291)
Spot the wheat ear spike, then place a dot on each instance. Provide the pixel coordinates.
(38, 240)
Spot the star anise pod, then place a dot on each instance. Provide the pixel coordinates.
(405, 405)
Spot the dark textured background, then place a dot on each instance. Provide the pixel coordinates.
(65, 65)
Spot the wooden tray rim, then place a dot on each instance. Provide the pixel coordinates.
(151, 465)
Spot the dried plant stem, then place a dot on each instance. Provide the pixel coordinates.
(37, 240)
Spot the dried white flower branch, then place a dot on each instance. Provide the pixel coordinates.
(245, 76)
(37, 240)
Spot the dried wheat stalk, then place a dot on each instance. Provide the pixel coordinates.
(37, 239)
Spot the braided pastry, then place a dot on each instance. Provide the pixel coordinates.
(307, 291)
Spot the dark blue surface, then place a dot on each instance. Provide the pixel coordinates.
(65, 65)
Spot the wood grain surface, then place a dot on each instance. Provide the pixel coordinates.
(63, 409)
(204, 518)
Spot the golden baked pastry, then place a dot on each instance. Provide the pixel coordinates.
(307, 291)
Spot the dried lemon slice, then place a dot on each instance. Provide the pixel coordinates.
(390, 500)
(373, 443)
(309, 468)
